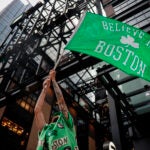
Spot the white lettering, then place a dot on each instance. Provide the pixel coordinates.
(135, 32)
(129, 54)
(125, 56)
(141, 34)
(118, 50)
(117, 29)
(148, 43)
(107, 52)
(100, 46)
(135, 63)
(142, 68)
(111, 26)
(128, 29)
(122, 28)
(105, 26)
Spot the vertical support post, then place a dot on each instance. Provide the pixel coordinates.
(115, 114)
(98, 6)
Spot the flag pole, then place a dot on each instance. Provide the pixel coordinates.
(58, 60)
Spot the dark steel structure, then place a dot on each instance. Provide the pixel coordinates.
(32, 48)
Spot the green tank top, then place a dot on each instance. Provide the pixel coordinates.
(60, 135)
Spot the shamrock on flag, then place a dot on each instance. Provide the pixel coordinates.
(129, 41)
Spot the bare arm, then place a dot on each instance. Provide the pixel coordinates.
(39, 116)
(60, 99)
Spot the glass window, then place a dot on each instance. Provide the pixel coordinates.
(134, 85)
(142, 110)
(118, 75)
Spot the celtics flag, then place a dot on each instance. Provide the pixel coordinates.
(119, 44)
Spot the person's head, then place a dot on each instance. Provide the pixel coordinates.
(55, 117)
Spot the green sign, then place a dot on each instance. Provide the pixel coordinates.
(117, 43)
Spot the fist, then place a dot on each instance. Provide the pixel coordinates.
(52, 74)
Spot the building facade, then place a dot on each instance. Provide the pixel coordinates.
(13, 10)
(31, 49)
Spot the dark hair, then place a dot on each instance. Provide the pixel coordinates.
(53, 115)
(55, 120)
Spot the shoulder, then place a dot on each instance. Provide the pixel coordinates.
(69, 120)
(44, 129)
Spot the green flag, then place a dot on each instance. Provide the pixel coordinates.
(117, 43)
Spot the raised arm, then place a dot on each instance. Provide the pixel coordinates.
(39, 116)
(60, 98)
